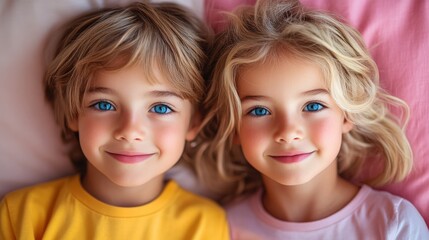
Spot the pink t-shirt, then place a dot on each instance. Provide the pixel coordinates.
(370, 215)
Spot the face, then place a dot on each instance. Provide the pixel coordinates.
(132, 131)
(291, 128)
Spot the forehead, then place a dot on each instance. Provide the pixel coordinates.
(153, 73)
(150, 67)
(128, 76)
(284, 74)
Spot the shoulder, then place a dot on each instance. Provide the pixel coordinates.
(247, 218)
(33, 204)
(192, 211)
(36, 197)
(245, 211)
(41, 190)
(404, 218)
(390, 202)
(195, 202)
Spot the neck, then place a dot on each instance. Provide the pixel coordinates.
(100, 187)
(323, 196)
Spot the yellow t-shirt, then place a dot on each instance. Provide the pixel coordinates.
(62, 209)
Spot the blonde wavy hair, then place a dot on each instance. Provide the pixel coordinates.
(150, 35)
(267, 31)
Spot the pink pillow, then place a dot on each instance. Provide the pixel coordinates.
(397, 33)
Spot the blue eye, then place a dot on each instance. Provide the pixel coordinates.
(259, 111)
(161, 109)
(104, 106)
(313, 107)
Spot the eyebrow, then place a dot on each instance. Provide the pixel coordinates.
(315, 92)
(100, 90)
(253, 97)
(306, 93)
(159, 93)
(155, 93)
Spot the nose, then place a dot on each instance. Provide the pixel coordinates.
(288, 129)
(130, 127)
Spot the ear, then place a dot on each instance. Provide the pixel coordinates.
(73, 125)
(347, 125)
(194, 127)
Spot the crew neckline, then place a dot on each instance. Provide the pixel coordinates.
(255, 203)
(167, 195)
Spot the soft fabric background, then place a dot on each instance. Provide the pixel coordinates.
(397, 34)
(31, 151)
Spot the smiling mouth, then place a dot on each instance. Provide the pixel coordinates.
(130, 158)
(292, 158)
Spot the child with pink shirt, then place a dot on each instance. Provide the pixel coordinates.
(293, 111)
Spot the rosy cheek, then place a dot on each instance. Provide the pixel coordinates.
(91, 132)
(97, 125)
(251, 134)
(326, 130)
(169, 134)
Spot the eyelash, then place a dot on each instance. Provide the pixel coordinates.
(104, 106)
(320, 107)
(253, 112)
(168, 109)
(97, 106)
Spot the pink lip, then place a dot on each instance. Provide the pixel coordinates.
(129, 158)
(292, 158)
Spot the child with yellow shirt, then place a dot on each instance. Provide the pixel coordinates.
(125, 85)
